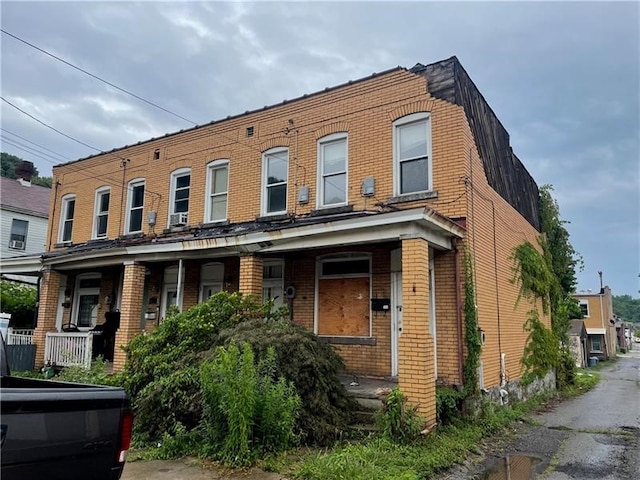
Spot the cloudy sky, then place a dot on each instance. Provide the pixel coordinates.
(562, 77)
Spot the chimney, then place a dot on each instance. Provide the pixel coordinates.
(601, 286)
(24, 172)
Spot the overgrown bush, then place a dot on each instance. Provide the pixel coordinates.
(448, 404)
(398, 421)
(247, 411)
(162, 371)
(181, 336)
(19, 300)
(311, 365)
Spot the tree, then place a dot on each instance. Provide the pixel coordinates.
(564, 259)
(8, 164)
(627, 308)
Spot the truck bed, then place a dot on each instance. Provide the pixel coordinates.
(55, 430)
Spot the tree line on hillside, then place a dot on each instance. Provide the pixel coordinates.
(9, 163)
(627, 308)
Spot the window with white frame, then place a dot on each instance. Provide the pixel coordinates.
(135, 206)
(273, 281)
(66, 220)
(596, 343)
(101, 213)
(332, 170)
(412, 154)
(217, 186)
(211, 279)
(87, 300)
(275, 168)
(180, 188)
(584, 308)
(18, 237)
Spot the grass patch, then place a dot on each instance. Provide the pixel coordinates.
(380, 458)
(585, 380)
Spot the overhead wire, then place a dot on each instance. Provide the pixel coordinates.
(142, 99)
(66, 159)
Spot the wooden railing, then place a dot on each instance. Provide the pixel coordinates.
(20, 336)
(66, 349)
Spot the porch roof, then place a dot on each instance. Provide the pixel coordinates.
(263, 236)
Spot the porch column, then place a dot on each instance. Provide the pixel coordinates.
(415, 346)
(131, 311)
(47, 311)
(251, 275)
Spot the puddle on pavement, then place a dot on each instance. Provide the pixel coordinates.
(512, 467)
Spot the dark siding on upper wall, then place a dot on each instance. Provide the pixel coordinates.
(448, 80)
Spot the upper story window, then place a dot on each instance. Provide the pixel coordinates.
(66, 220)
(135, 206)
(18, 238)
(101, 213)
(217, 186)
(332, 170)
(584, 308)
(412, 154)
(275, 167)
(180, 188)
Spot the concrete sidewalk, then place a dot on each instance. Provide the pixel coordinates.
(190, 469)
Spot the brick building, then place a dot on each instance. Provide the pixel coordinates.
(354, 205)
(599, 321)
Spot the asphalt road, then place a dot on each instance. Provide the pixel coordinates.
(593, 436)
(602, 426)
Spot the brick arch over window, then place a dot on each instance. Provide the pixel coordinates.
(337, 127)
(274, 142)
(415, 107)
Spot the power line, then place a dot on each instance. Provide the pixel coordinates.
(97, 77)
(26, 148)
(36, 144)
(49, 126)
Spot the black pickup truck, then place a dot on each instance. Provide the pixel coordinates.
(54, 430)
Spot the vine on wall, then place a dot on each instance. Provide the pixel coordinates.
(472, 331)
(546, 348)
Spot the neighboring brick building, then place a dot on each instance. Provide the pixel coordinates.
(599, 320)
(354, 205)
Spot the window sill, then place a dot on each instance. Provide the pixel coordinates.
(217, 223)
(412, 197)
(331, 210)
(347, 340)
(128, 236)
(274, 218)
(62, 245)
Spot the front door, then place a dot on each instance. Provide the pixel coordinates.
(396, 319)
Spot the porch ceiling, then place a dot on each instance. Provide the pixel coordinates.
(323, 232)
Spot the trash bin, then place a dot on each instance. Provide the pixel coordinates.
(593, 361)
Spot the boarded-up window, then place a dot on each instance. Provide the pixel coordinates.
(344, 298)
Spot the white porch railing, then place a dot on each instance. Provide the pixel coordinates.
(65, 349)
(20, 336)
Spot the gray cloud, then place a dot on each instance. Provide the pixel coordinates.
(564, 78)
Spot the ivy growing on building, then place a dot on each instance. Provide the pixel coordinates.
(472, 330)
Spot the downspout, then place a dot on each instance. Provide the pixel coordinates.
(459, 320)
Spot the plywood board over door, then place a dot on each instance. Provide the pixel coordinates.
(343, 306)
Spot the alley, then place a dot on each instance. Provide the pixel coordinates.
(593, 436)
(603, 427)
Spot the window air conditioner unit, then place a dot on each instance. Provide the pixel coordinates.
(17, 244)
(178, 219)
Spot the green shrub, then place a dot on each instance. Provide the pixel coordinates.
(247, 412)
(398, 421)
(448, 404)
(311, 365)
(95, 375)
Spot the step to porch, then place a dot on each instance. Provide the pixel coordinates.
(368, 392)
